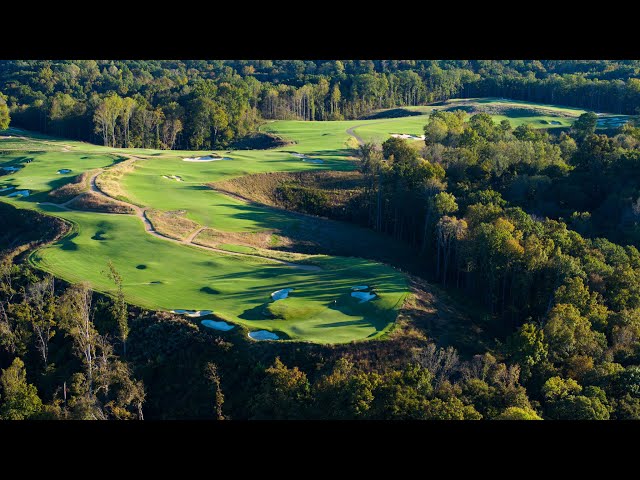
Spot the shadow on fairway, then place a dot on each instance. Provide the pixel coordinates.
(256, 313)
(68, 244)
(210, 291)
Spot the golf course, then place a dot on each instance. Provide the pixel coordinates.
(179, 244)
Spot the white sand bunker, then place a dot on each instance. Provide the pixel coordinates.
(6, 189)
(408, 136)
(307, 159)
(11, 169)
(207, 158)
(282, 293)
(64, 170)
(263, 335)
(19, 193)
(363, 296)
(360, 287)
(192, 313)
(200, 313)
(223, 326)
(173, 177)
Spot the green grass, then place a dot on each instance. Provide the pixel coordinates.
(41, 174)
(321, 139)
(237, 248)
(162, 275)
(235, 288)
(147, 186)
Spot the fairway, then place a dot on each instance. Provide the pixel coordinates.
(162, 275)
(315, 136)
(159, 274)
(235, 281)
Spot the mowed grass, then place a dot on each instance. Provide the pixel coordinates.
(162, 275)
(147, 185)
(40, 175)
(322, 139)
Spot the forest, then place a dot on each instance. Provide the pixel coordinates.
(210, 104)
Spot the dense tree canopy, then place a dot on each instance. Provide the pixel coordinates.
(202, 104)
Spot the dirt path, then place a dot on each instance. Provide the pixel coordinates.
(355, 135)
(194, 234)
(359, 139)
(141, 213)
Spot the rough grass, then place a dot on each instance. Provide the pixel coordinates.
(171, 224)
(109, 180)
(450, 321)
(66, 192)
(211, 237)
(262, 188)
(26, 229)
(97, 203)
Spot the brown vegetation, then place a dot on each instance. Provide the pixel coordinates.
(26, 229)
(172, 224)
(66, 192)
(109, 180)
(324, 193)
(98, 203)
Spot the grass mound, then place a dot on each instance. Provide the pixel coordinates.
(171, 224)
(260, 141)
(78, 185)
(97, 203)
(392, 113)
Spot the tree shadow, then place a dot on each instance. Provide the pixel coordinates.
(259, 312)
(210, 291)
(99, 235)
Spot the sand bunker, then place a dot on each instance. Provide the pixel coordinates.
(223, 326)
(64, 170)
(280, 294)
(360, 287)
(6, 189)
(199, 313)
(408, 136)
(263, 335)
(307, 159)
(173, 177)
(363, 296)
(19, 193)
(207, 158)
(11, 169)
(192, 313)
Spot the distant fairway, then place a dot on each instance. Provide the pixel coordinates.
(516, 112)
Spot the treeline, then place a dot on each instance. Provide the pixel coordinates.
(573, 301)
(62, 356)
(207, 104)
